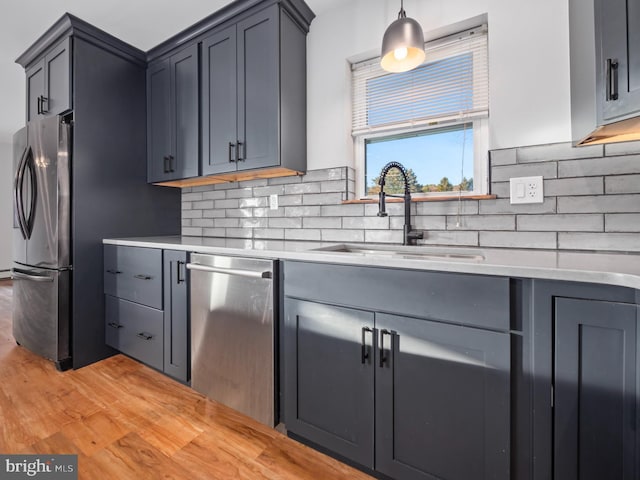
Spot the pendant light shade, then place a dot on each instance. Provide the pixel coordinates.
(402, 44)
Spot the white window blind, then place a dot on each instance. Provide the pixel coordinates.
(451, 86)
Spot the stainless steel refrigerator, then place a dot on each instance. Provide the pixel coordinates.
(42, 239)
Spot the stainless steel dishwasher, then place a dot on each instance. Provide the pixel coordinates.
(232, 332)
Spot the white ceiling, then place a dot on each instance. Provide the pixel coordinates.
(142, 23)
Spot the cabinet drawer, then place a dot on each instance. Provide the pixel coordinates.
(134, 273)
(135, 330)
(476, 300)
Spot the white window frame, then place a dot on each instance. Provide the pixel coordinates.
(480, 149)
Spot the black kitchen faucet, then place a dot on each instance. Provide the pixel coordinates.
(410, 235)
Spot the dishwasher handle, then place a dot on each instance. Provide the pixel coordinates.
(230, 271)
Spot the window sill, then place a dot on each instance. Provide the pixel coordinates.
(447, 198)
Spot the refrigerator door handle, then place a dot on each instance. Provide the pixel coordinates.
(34, 193)
(18, 275)
(17, 193)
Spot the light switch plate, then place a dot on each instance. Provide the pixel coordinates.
(273, 201)
(526, 190)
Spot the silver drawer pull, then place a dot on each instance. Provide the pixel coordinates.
(144, 336)
(114, 272)
(142, 277)
(230, 271)
(115, 325)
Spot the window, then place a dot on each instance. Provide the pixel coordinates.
(432, 119)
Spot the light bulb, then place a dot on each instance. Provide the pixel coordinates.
(400, 53)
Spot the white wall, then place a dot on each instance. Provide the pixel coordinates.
(6, 207)
(528, 68)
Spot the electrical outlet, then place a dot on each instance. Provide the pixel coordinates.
(273, 201)
(526, 190)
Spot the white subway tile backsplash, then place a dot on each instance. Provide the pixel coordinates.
(561, 223)
(506, 156)
(622, 184)
(274, 233)
(564, 187)
(329, 235)
(599, 204)
(450, 238)
(302, 188)
(622, 222)
(503, 206)
(594, 204)
(302, 234)
(368, 223)
(543, 169)
(481, 222)
(599, 166)
(321, 222)
(349, 210)
(619, 242)
(557, 151)
(239, 193)
(285, 222)
(518, 239)
(622, 148)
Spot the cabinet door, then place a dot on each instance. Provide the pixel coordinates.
(158, 121)
(184, 158)
(58, 79)
(35, 89)
(329, 380)
(618, 29)
(258, 90)
(442, 400)
(176, 319)
(219, 102)
(596, 390)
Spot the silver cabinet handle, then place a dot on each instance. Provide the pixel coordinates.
(115, 325)
(142, 277)
(144, 336)
(113, 272)
(229, 271)
(15, 275)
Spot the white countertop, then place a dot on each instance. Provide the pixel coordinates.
(619, 269)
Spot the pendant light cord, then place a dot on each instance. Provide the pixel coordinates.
(402, 13)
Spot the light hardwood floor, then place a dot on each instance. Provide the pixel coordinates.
(127, 421)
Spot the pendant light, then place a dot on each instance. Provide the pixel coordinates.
(402, 44)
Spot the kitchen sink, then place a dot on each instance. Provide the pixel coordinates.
(410, 252)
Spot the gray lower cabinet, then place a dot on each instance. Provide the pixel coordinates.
(134, 329)
(49, 82)
(585, 382)
(146, 313)
(407, 397)
(173, 117)
(596, 426)
(176, 325)
(442, 400)
(329, 380)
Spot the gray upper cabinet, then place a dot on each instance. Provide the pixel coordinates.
(618, 32)
(172, 117)
(605, 70)
(219, 102)
(49, 82)
(246, 106)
